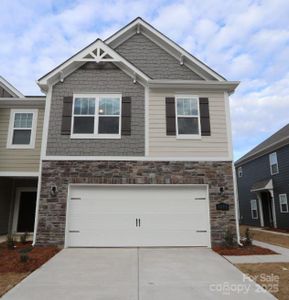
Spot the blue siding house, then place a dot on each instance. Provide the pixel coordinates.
(263, 183)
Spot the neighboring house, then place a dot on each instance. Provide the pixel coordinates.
(21, 121)
(263, 182)
(136, 147)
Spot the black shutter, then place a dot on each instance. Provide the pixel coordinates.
(126, 116)
(205, 117)
(66, 115)
(171, 116)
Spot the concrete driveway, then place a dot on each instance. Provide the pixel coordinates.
(136, 274)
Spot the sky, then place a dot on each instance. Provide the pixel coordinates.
(246, 40)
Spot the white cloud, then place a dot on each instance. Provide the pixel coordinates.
(244, 40)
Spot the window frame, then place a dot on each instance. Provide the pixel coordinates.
(11, 129)
(281, 210)
(188, 136)
(257, 215)
(271, 171)
(95, 134)
(240, 172)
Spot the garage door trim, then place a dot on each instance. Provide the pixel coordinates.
(135, 185)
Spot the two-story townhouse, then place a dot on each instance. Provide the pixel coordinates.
(21, 121)
(136, 147)
(263, 182)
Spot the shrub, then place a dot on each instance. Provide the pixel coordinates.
(229, 238)
(10, 242)
(24, 257)
(23, 237)
(248, 238)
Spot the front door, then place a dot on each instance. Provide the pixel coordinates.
(26, 211)
(267, 209)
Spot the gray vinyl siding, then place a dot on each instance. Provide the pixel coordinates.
(153, 60)
(4, 93)
(88, 80)
(19, 160)
(257, 170)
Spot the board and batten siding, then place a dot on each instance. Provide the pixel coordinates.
(19, 160)
(161, 145)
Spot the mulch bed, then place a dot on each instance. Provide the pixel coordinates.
(37, 256)
(246, 250)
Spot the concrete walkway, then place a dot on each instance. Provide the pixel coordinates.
(137, 274)
(283, 255)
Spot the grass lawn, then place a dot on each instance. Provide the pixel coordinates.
(272, 276)
(13, 270)
(267, 237)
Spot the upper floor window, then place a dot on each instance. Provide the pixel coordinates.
(273, 163)
(240, 172)
(96, 116)
(254, 211)
(22, 128)
(283, 203)
(188, 116)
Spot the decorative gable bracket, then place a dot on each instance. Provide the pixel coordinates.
(98, 55)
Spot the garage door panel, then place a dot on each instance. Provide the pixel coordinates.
(107, 216)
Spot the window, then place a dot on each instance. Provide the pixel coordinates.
(240, 172)
(273, 163)
(22, 129)
(283, 203)
(188, 116)
(254, 212)
(96, 116)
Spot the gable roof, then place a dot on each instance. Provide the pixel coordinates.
(10, 88)
(96, 52)
(275, 141)
(99, 51)
(139, 25)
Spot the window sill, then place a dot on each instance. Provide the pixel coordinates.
(188, 137)
(20, 147)
(94, 137)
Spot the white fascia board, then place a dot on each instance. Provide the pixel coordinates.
(168, 41)
(10, 87)
(135, 158)
(44, 81)
(18, 174)
(229, 86)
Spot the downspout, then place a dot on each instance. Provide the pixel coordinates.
(236, 196)
(235, 188)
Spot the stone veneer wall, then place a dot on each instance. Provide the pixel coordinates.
(52, 210)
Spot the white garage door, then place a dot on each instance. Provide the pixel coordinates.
(124, 216)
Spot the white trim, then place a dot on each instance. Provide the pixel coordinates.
(282, 195)
(18, 174)
(228, 124)
(96, 116)
(170, 43)
(11, 88)
(98, 44)
(33, 129)
(17, 204)
(273, 208)
(252, 209)
(260, 209)
(240, 172)
(134, 158)
(46, 122)
(187, 136)
(211, 85)
(147, 120)
(236, 204)
(271, 163)
(137, 185)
